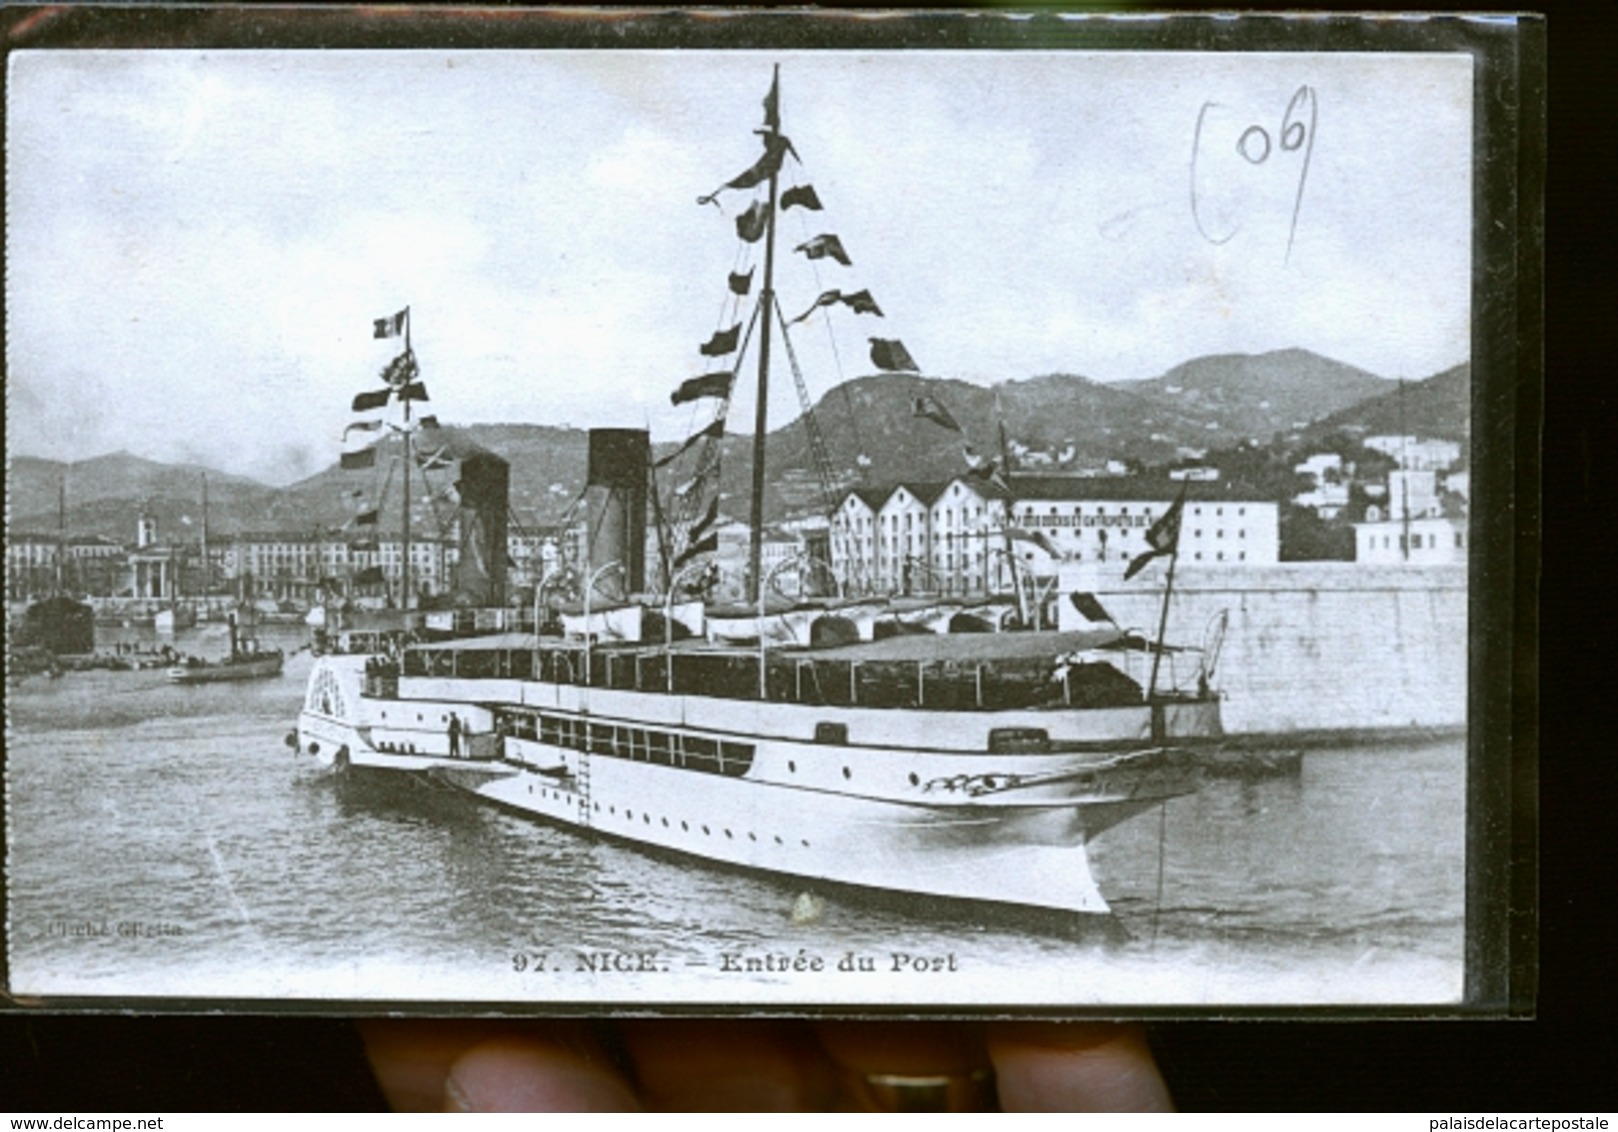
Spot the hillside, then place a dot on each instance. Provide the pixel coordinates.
(1059, 422)
(1439, 407)
(1255, 396)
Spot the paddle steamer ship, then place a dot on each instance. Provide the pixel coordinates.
(786, 735)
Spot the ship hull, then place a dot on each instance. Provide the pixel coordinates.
(259, 668)
(1005, 829)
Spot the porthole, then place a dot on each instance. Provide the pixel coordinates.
(665, 823)
(684, 828)
(728, 833)
(630, 814)
(847, 773)
(805, 844)
(792, 767)
(706, 831)
(915, 779)
(778, 841)
(612, 809)
(646, 818)
(751, 837)
(598, 807)
(530, 788)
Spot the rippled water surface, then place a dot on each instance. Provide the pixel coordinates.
(163, 841)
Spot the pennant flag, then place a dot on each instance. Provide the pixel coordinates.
(977, 465)
(776, 147)
(353, 461)
(415, 391)
(429, 422)
(862, 303)
(713, 432)
(362, 426)
(752, 224)
(401, 369)
(723, 342)
(741, 284)
(1038, 538)
(366, 519)
(708, 385)
(933, 409)
(708, 519)
(1089, 608)
(801, 196)
(376, 399)
(701, 546)
(390, 327)
(1163, 537)
(890, 354)
(823, 246)
(827, 298)
(772, 103)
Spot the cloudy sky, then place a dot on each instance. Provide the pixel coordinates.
(197, 242)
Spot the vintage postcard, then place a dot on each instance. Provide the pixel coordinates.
(537, 528)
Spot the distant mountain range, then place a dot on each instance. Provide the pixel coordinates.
(1052, 423)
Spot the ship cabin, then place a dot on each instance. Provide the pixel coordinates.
(957, 672)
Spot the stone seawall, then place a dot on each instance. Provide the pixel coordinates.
(1313, 646)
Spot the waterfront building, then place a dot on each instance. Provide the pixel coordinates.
(304, 567)
(1432, 540)
(1106, 520)
(956, 537)
(936, 537)
(31, 561)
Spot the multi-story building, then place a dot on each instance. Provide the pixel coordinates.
(304, 566)
(1433, 540)
(959, 537)
(30, 564)
(1416, 453)
(1106, 520)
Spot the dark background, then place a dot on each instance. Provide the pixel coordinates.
(1566, 1058)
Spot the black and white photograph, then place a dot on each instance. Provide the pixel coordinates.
(754, 528)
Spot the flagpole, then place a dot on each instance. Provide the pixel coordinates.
(755, 546)
(404, 600)
(1163, 616)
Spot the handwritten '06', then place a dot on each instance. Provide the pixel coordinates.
(1256, 145)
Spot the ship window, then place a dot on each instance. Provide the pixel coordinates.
(659, 748)
(701, 753)
(1018, 740)
(915, 779)
(831, 733)
(735, 759)
(600, 738)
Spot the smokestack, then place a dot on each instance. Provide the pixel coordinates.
(484, 489)
(615, 501)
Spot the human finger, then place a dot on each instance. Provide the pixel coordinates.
(1075, 1067)
(730, 1066)
(427, 1065)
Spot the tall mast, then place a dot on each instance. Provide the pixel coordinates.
(755, 549)
(61, 531)
(205, 570)
(404, 600)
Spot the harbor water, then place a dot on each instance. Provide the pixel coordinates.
(163, 841)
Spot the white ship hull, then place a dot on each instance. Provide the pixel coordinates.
(920, 808)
